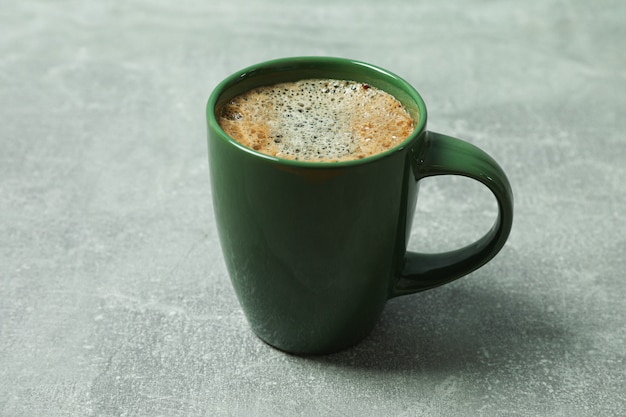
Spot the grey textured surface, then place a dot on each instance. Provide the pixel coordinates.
(114, 299)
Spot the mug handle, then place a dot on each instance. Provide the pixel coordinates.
(445, 155)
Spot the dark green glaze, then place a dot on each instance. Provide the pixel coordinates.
(314, 250)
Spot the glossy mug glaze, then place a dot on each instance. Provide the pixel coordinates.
(315, 249)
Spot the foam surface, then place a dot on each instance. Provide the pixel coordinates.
(317, 120)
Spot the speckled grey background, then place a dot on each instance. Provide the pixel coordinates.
(114, 299)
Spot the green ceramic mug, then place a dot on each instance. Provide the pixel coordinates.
(315, 249)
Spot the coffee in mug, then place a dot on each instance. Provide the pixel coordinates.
(317, 120)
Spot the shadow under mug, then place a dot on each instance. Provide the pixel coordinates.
(315, 249)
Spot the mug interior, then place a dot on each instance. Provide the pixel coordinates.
(294, 69)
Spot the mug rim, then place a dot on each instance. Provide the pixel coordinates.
(310, 61)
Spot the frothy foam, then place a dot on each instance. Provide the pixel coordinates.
(317, 120)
